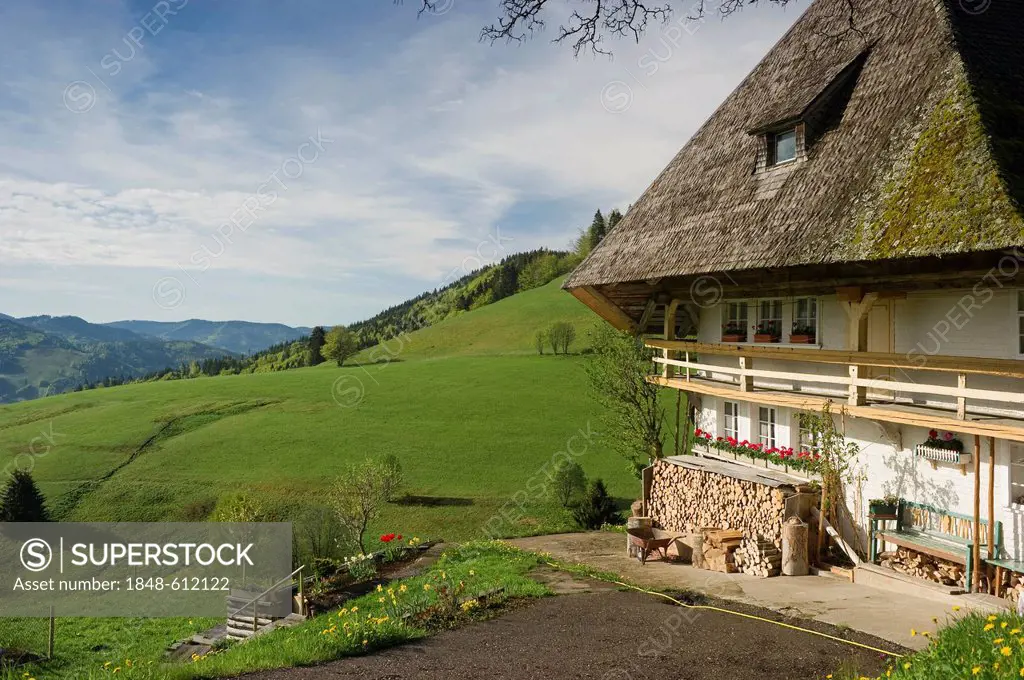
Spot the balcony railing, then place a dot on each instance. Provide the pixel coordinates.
(860, 379)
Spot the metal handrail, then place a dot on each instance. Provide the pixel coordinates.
(254, 600)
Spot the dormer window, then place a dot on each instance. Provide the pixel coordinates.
(782, 147)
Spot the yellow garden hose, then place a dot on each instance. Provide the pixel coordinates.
(751, 616)
(758, 618)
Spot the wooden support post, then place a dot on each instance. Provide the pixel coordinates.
(679, 405)
(976, 532)
(858, 395)
(992, 498)
(961, 402)
(670, 333)
(746, 380)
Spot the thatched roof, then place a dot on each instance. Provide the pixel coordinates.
(920, 151)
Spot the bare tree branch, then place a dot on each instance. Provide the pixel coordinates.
(592, 21)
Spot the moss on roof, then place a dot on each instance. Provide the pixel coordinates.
(948, 196)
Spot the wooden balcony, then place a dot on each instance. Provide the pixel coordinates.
(860, 388)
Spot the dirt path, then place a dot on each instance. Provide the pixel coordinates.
(605, 635)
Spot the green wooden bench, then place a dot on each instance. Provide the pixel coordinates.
(936, 532)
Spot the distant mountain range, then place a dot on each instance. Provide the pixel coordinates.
(240, 337)
(42, 355)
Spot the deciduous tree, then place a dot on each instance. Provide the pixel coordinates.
(358, 495)
(633, 418)
(339, 344)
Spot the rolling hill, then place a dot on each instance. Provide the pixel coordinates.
(469, 408)
(239, 337)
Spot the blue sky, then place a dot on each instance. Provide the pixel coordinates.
(312, 162)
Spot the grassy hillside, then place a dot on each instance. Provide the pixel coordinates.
(471, 430)
(502, 328)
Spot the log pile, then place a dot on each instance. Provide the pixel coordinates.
(922, 565)
(719, 549)
(686, 501)
(759, 557)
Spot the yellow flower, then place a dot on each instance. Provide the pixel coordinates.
(366, 642)
(1015, 631)
(997, 641)
(1022, 672)
(913, 633)
(991, 618)
(355, 609)
(935, 619)
(989, 626)
(402, 588)
(1006, 651)
(472, 573)
(906, 666)
(380, 588)
(956, 607)
(426, 586)
(975, 670)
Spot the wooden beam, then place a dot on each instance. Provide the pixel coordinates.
(604, 307)
(806, 402)
(976, 533)
(645, 318)
(1005, 368)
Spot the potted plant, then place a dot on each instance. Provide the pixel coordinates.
(944, 448)
(884, 506)
(767, 331)
(733, 332)
(803, 335)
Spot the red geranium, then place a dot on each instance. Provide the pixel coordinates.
(387, 538)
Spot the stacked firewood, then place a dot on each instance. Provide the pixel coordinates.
(759, 557)
(922, 565)
(719, 549)
(686, 500)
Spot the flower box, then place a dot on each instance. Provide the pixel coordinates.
(879, 507)
(942, 455)
(801, 339)
(765, 337)
(733, 337)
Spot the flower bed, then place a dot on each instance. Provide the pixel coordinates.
(784, 456)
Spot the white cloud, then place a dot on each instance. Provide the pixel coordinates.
(434, 143)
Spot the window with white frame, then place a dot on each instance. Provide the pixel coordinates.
(731, 419)
(735, 323)
(806, 438)
(1017, 475)
(769, 319)
(766, 426)
(805, 318)
(782, 147)
(1020, 321)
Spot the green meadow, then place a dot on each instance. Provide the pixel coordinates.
(470, 409)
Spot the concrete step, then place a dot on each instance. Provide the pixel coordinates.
(887, 579)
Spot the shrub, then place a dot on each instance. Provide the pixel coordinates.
(595, 508)
(240, 506)
(198, 511)
(568, 482)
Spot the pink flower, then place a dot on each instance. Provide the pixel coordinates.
(933, 434)
(707, 436)
(699, 432)
(732, 440)
(948, 436)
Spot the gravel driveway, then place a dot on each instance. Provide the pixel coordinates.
(607, 635)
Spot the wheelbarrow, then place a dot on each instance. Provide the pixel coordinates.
(647, 540)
